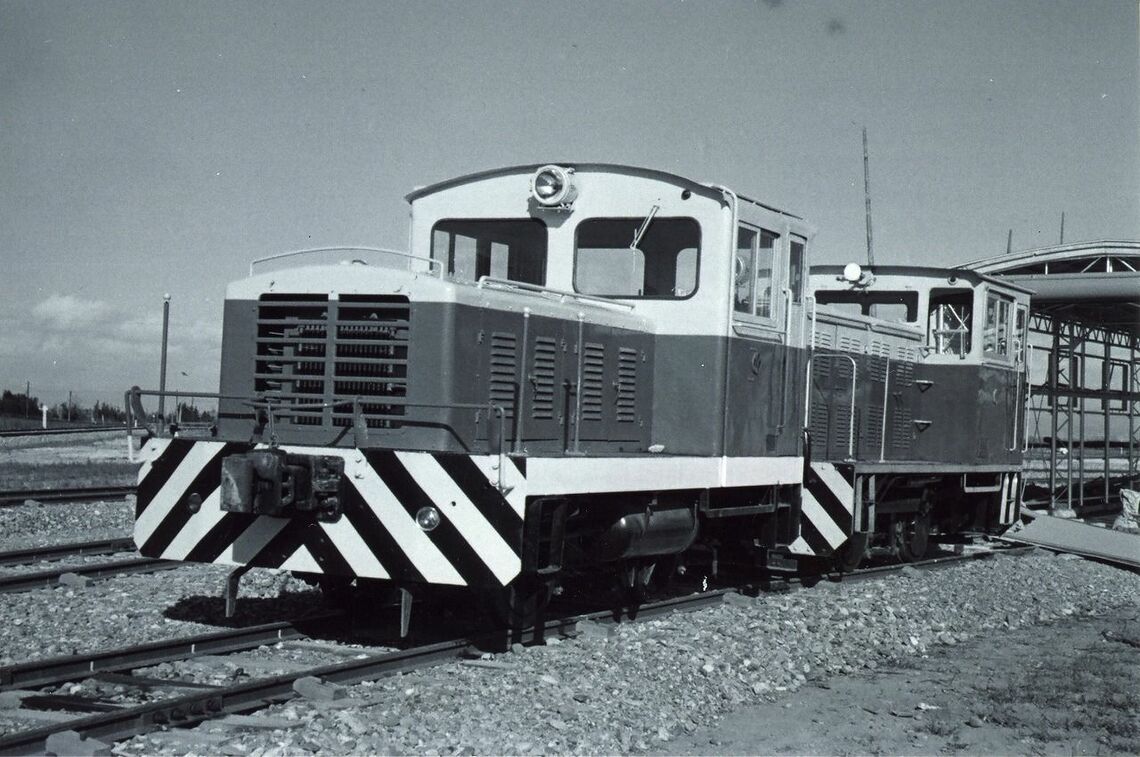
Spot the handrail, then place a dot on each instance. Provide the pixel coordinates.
(787, 348)
(851, 411)
(132, 400)
(883, 427)
(311, 250)
(485, 281)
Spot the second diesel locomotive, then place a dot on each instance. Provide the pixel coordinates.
(582, 365)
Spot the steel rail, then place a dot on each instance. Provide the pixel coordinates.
(79, 494)
(216, 702)
(14, 433)
(211, 703)
(57, 670)
(74, 549)
(51, 578)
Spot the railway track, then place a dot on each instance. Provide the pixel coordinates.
(60, 551)
(113, 721)
(58, 431)
(38, 579)
(82, 494)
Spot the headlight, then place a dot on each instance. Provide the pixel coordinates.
(553, 186)
(427, 518)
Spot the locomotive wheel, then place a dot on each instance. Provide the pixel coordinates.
(911, 536)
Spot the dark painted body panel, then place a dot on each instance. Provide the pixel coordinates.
(637, 389)
(937, 413)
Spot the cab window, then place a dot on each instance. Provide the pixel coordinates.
(950, 322)
(754, 265)
(995, 333)
(663, 264)
(512, 249)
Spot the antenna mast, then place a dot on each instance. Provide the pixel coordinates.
(867, 196)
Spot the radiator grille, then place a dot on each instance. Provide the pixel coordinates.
(627, 385)
(313, 351)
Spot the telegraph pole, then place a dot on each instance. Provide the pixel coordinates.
(867, 196)
(1062, 227)
(162, 368)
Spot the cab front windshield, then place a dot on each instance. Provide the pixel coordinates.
(662, 265)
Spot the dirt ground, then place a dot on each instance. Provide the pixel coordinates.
(1068, 688)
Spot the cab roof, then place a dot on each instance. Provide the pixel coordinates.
(708, 190)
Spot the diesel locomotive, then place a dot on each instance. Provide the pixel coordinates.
(582, 366)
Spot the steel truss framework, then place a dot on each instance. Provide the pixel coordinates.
(1083, 414)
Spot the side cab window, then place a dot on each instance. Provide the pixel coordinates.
(995, 332)
(754, 271)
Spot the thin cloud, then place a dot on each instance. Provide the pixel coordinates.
(64, 311)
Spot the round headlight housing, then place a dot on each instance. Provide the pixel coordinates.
(852, 273)
(553, 186)
(427, 518)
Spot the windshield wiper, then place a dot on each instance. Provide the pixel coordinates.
(644, 226)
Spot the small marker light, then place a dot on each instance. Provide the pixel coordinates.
(853, 272)
(194, 502)
(427, 518)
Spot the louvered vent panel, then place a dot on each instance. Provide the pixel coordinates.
(882, 349)
(626, 409)
(909, 354)
(504, 369)
(593, 375)
(542, 377)
(850, 344)
(870, 439)
(818, 424)
(823, 340)
(902, 430)
(903, 375)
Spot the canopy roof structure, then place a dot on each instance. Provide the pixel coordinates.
(1091, 282)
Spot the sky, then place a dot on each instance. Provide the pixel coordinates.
(157, 147)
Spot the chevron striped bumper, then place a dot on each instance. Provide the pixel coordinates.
(478, 541)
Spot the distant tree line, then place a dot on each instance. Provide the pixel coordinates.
(21, 405)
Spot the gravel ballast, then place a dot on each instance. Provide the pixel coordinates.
(635, 687)
(42, 524)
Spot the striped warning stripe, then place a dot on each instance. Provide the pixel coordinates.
(1010, 494)
(827, 509)
(478, 541)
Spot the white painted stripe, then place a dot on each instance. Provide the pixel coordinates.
(301, 561)
(823, 523)
(800, 547)
(196, 459)
(834, 480)
(1003, 516)
(252, 540)
(512, 478)
(421, 551)
(353, 549)
(196, 528)
(581, 475)
(149, 453)
(456, 507)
